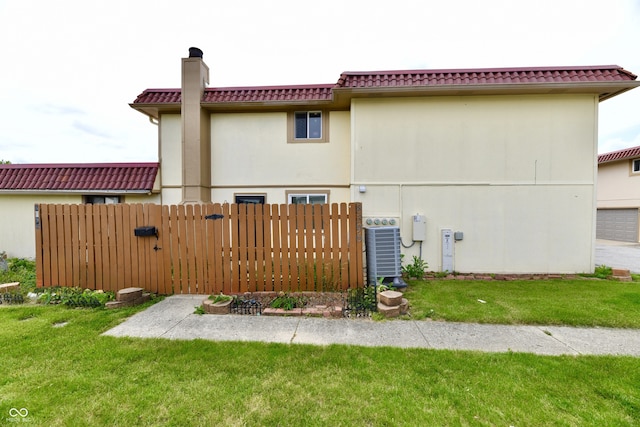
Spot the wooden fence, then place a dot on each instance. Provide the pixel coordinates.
(200, 249)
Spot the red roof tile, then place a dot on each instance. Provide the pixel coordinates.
(484, 76)
(626, 153)
(397, 79)
(269, 93)
(79, 177)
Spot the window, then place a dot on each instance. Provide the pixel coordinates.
(307, 126)
(635, 166)
(102, 200)
(307, 199)
(256, 199)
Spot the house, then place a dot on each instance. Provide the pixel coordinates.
(619, 195)
(24, 185)
(483, 170)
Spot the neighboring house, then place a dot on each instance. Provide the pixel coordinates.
(505, 156)
(619, 195)
(23, 186)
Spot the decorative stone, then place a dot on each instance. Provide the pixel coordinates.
(129, 294)
(389, 311)
(8, 287)
(404, 307)
(220, 307)
(390, 298)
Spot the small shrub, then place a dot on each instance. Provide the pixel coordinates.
(75, 297)
(220, 298)
(288, 302)
(603, 272)
(415, 269)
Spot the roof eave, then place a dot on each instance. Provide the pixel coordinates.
(604, 90)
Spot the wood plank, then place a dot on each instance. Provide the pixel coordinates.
(125, 235)
(199, 254)
(353, 256)
(277, 250)
(91, 248)
(136, 266)
(45, 252)
(119, 243)
(65, 239)
(82, 246)
(260, 278)
(166, 287)
(190, 249)
(267, 247)
(113, 248)
(225, 224)
(57, 256)
(243, 247)
(335, 246)
(285, 283)
(143, 255)
(176, 276)
(301, 260)
(153, 213)
(309, 260)
(74, 245)
(251, 247)
(344, 247)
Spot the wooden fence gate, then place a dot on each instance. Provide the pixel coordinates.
(200, 249)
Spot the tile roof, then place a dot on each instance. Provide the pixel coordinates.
(626, 153)
(398, 79)
(482, 76)
(90, 177)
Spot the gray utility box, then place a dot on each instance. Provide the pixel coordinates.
(383, 253)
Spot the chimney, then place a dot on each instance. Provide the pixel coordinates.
(196, 135)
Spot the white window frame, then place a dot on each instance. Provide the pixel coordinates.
(308, 196)
(635, 166)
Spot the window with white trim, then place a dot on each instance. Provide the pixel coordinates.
(635, 166)
(307, 199)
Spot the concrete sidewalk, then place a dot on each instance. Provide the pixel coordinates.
(615, 254)
(174, 318)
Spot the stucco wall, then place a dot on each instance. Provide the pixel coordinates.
(617, 186)
(17, 235)
(250, 154)
(17, 229)
(515, 174)
(170, 140)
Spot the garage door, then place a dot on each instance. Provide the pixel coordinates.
(617, 224)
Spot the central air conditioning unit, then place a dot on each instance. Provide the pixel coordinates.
(383, 255)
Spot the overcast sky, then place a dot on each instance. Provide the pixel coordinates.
(71, 68)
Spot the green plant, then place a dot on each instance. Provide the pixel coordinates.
(220, 298)
(74, 297)
(603, 272)
(199, 310)
(288, 302)
(415, 269)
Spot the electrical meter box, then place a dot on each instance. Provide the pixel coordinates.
(419, 228)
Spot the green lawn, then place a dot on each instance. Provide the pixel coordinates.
(576, 302)
(70, 375)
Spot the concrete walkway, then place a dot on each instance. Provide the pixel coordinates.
(174, 318)
(615, 254)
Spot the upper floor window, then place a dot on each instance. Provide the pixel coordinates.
(308, 126)
(635, 166)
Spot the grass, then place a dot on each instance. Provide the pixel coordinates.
(577, 302)
(55, 363)
(71, 375)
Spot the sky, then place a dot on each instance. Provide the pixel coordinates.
(70, 68)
